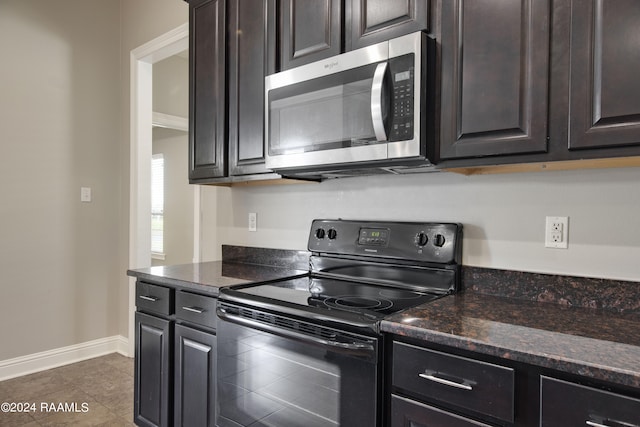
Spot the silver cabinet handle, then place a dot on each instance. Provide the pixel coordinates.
(592, 424)
(445, 382)
(194, 309)
(376, 102)
(146, 298)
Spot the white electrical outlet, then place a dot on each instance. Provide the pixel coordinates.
(253, 221)
(557, 232)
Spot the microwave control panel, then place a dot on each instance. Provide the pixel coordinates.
(401, 126)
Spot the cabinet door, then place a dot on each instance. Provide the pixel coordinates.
(495, 57)
(207, 117)
(605, 66)
(194, 377)
(406, 412)
(310, 30)
(374, 21)
(152, 379)
(251, 57)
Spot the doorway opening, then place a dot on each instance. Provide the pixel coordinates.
(143, 122)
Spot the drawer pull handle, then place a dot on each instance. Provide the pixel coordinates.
(146, 298)
(445, 382)
(594, 424)
(197, 310)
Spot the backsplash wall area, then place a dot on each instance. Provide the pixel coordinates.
(503, 215)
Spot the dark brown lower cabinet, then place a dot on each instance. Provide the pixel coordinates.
(569, 404)
(481, 389)
(175, 357)
(152, 379)
(409, 413)
(194, 373)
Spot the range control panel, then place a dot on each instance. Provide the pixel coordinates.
(411, 241)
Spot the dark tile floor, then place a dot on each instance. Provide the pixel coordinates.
(94, 392)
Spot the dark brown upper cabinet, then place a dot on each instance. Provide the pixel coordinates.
(251, 57)
(311, 30)
(207, 116)
(232, 49)
(604, 77)
(495, 78)
(374, 21)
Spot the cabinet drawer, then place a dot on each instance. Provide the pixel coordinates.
(198, 309)
(568, 404)
(406, 412)
(481, 387)
(154, 298)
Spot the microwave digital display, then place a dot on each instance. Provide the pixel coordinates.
(405, 75)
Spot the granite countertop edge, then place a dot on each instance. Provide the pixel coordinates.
(174, 282)
(617, 371)
(239, 265)
(206, 277)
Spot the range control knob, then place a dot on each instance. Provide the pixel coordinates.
(422, 239)
(439, 240)
(332, 233)
(320, 233)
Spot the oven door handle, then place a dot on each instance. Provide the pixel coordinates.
(351, 348)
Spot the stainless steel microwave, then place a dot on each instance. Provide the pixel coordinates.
(360, 111)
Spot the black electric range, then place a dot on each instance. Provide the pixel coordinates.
(362, 271)
(308, 350)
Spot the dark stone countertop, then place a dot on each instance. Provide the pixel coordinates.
(589, 342)
(208, 277)
(239, 265)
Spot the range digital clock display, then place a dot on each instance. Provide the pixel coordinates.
(374, 236)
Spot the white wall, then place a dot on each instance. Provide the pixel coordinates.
(503, 215)
(59, 131)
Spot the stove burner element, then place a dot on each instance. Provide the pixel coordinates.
(399, 294)
(350, 302)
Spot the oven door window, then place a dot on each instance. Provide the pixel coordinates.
(265, 379)
(321, 114)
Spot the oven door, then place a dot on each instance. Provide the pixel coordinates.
(278, 371)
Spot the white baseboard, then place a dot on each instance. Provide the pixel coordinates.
(37, 362)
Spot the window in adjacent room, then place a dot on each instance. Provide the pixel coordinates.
(157, 206)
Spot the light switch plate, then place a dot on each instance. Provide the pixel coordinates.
(85, 194)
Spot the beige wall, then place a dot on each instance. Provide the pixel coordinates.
(59, 131)
(171, 86)
(64, 124)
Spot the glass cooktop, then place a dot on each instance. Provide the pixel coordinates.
(334, 297)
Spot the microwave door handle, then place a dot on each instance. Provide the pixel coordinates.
(377, 102)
